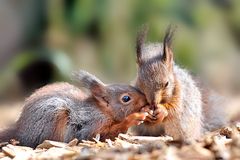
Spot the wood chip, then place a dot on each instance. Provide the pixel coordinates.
(2, 155)
(48, 144)
(18, 152)
(9, 152)
(144, 139)
(6, 158)
(195, 152)
(88, 142)
(57, 153)
(73, 142)
(109, 142)
(238, 126)
(125, 144)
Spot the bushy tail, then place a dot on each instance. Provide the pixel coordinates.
(7, 134)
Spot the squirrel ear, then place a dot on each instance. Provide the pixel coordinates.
(141, 36)
(100, 94)
(93, 84)
(167, 42)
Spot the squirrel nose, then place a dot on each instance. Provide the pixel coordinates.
(157, 98)
(153, 106)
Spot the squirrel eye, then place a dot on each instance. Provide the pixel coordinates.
(126, 99)
(166, 84)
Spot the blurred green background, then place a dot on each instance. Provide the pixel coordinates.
(44, 41)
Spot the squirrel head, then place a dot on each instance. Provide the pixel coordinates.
(119, 100)
(155, 67)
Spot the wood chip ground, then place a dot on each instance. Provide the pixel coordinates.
(221, 144)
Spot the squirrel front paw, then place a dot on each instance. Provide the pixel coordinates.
(135, 119)
(160, 113)
(155, 116)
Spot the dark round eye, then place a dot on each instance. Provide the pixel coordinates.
(126, 99)
(166, 84)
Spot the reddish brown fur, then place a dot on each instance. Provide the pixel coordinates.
(112, 128)
(61, 121)
(172, 101)
(106, 110)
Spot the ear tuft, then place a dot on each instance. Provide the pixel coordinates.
(167, 42)
(141, 36)
(86, 80)
(168, 38)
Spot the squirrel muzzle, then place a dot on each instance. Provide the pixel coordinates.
(157, 98)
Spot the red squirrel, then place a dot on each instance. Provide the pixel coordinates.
(62, 112)
(181, 106)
